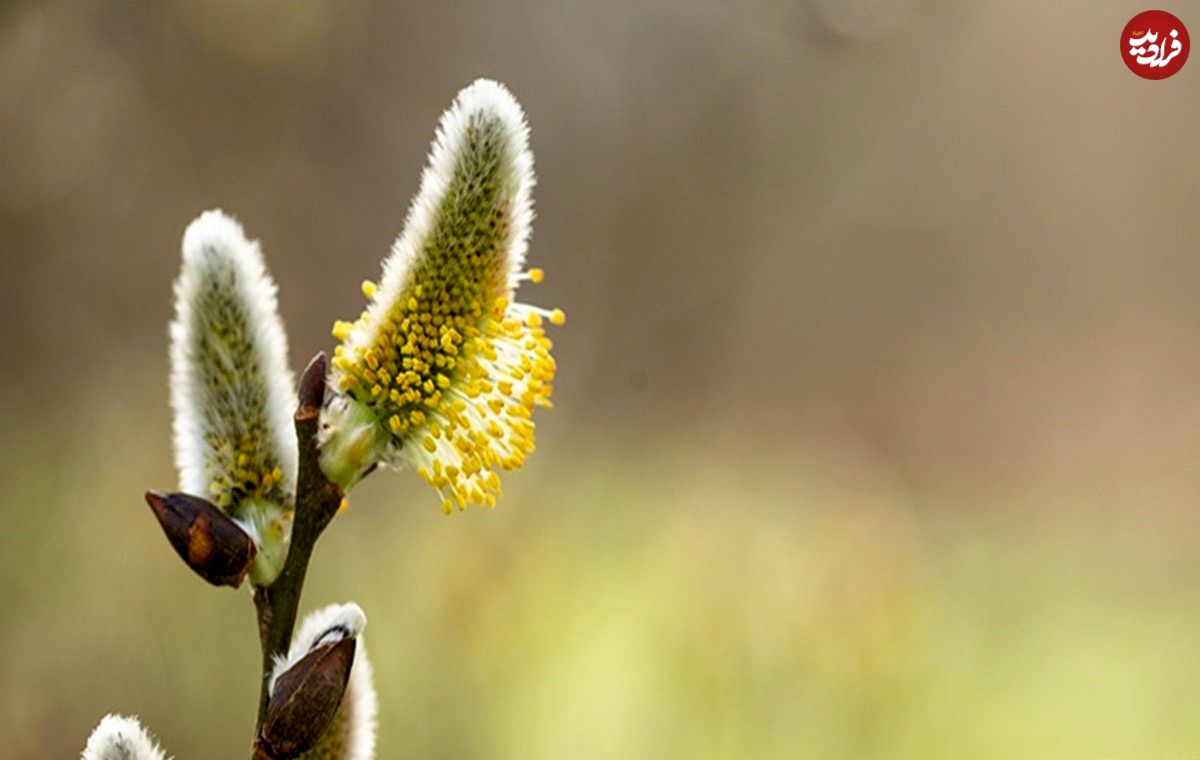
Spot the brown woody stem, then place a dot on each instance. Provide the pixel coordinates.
(317, 501)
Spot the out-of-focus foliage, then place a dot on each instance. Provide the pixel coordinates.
(686, 602)
(876, 417)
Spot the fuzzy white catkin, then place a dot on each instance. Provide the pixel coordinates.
(351, 736)
(120, 738)
(483, 101)
(235, 389)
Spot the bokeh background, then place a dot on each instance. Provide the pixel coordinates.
(878, 409)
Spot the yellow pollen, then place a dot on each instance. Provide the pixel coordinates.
(448, 364)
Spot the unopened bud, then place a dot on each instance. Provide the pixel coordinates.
(206, 538)
(304, 700)
(312, 386)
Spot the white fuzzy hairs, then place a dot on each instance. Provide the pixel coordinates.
(120, 738)
(224, 288)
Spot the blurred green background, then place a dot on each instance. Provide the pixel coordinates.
(877, 412)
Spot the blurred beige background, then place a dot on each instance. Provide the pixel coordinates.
(877, 415)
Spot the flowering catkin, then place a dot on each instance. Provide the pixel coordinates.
(443, 369)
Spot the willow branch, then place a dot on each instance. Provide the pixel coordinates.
(317, 501)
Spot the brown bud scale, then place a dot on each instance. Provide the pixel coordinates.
(205, 538)
(305, 700)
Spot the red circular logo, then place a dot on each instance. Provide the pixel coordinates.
(1155, 44)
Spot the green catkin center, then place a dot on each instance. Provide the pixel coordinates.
(241, 462)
